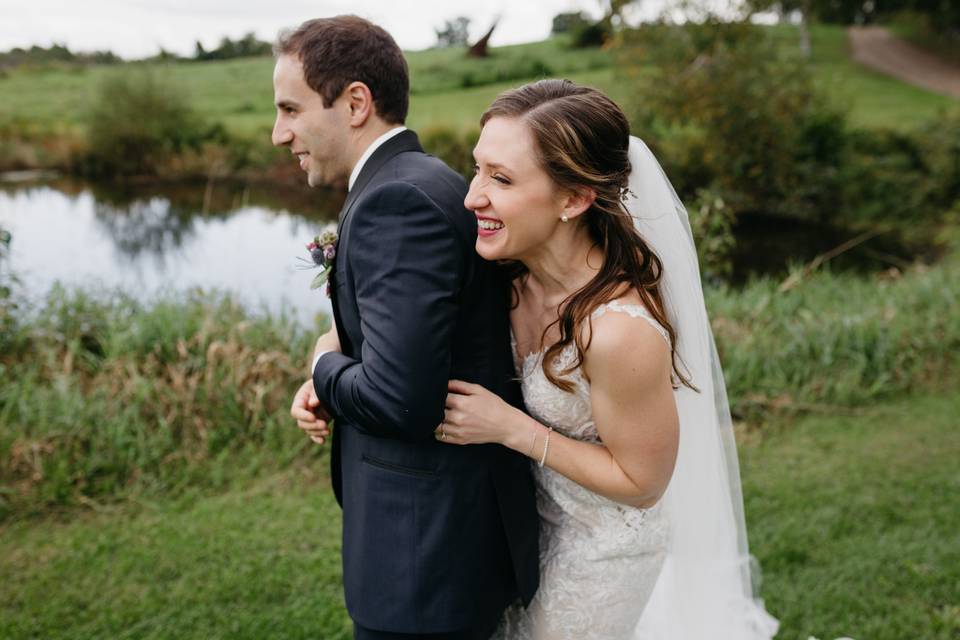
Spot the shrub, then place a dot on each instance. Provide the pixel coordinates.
(711, 222)
(731, 113)
(455, 147)
(591, 34)
(139, 121)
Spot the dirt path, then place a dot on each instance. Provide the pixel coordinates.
(877, 48)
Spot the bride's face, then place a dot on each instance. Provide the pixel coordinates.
(517, 206)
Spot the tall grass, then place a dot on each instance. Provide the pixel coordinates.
(103, 397)
(837, 340)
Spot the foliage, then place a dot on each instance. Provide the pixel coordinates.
(568, 22)
(711, 222)
(832, 340)
(139, 122)
(729, 111)
(55, 54)
(454, 33)
(103, 397)
(732, 113)
(245, 47)
(594, 34)
(455, 147)
(8, 304)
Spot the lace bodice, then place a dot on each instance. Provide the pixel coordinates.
(568, 413)
(599, 558)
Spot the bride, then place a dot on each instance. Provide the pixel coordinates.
(642, 532)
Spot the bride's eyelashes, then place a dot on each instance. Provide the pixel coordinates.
(498, 178)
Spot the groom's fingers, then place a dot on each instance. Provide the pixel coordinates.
(317, 427)
(301, 414)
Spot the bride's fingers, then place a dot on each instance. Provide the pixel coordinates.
(453, 417)
(448, 434)
(461, 387)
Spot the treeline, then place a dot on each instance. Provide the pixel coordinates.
(244, 47)
(56, 53)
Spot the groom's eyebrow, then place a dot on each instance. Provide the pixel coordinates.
(284, 104)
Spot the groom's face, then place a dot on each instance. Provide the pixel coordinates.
(317, 135)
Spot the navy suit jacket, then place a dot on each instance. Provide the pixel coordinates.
(436, 537)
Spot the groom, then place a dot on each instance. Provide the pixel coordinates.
(437, 540)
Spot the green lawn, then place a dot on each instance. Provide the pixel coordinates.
(853, 518)
(874, 99)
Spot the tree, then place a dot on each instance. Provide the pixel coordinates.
(786, 7)
(454, 32)
(568, 22)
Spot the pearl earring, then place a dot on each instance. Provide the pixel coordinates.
(564, 218)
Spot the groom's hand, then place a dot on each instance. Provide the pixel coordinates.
(310, 415)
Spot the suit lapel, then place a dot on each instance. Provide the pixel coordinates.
(400, 143)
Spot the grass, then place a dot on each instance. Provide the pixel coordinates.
(105, 399)
(850, 517)
(447, 88)
(874, 100)
(836, 339)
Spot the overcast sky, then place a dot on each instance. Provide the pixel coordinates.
(138, 28)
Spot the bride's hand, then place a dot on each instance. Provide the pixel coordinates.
(475, 415)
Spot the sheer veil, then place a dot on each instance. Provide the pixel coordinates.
(706, 588)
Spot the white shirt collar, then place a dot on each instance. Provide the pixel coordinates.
(369, 152)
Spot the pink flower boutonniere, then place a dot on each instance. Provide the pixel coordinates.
(323, 249)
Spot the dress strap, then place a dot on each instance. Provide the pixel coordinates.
(634, 311)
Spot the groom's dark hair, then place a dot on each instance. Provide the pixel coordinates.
(337, 51)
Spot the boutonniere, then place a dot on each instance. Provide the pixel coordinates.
(323, 249)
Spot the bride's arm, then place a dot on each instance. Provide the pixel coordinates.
(629, 367)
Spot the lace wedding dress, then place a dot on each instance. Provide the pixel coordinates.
(599, 559)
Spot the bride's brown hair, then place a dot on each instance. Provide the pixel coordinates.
(582, 139)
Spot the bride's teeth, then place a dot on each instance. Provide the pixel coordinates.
(490, 225)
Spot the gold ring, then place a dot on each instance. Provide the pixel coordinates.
(443, 434)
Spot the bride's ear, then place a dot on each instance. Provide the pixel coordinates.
(577, 202)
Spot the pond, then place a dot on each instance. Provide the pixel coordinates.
(246, 239)
(148, 240)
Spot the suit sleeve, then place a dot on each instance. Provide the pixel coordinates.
(407, 265)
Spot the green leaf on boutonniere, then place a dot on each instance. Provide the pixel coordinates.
(319, 279)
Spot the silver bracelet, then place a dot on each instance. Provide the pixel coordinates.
(546, 445)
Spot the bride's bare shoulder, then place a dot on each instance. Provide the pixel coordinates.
(626, 339)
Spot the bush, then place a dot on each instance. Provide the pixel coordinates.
(568, 22)
(728, 112)
(452, 146)
(711, 222)
(139, 121)
(591, 34)
(731, 114)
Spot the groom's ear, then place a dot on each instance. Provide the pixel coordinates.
(360, 103)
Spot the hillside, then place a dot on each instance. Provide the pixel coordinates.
(447, 88)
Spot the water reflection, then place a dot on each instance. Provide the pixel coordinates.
(150, 239)
(246, 239)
